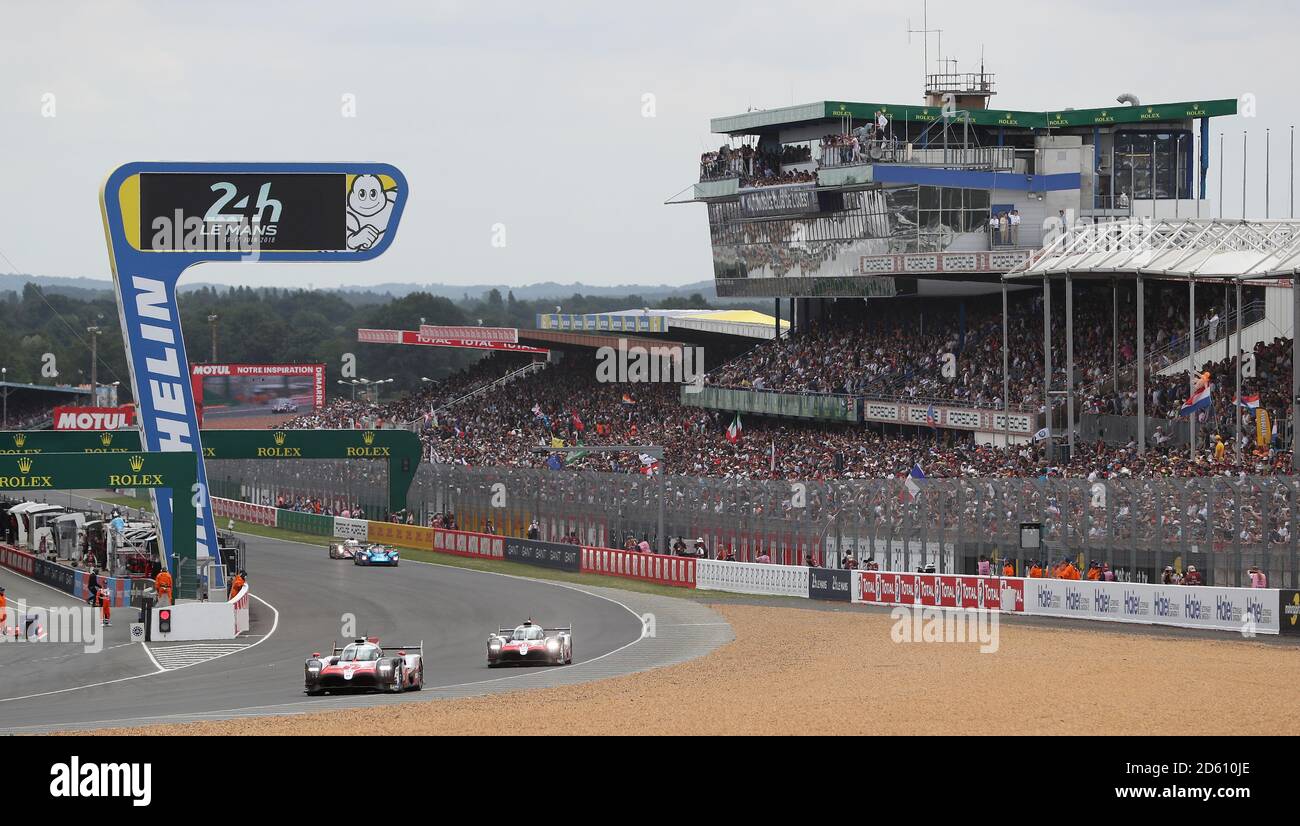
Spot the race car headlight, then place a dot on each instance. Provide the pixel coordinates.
(495, 645)
(552, 644)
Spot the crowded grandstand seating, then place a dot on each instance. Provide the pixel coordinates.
(568, 404)
(345, 413)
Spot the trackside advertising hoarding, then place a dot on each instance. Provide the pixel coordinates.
(831, 584)
(1248, 610)
(358, 529)
(939, 590)
(544, 554)
(94, 418)
(252, 389)
(369, 336)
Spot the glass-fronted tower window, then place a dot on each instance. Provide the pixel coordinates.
(1150, 161)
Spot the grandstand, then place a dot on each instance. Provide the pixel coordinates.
(972, 294)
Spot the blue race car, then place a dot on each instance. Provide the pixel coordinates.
(376, 555)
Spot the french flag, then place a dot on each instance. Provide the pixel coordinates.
(1198, 401)
(1251, 402)
(912, 487)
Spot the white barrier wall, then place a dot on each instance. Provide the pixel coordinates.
(751, 578)
(240, 602)
(358, 529)
(197, 621)
(1226, 609)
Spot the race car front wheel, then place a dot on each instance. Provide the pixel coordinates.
(398, 680)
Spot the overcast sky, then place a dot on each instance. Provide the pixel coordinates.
(531, 114)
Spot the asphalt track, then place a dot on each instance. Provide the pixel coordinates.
(301, 598)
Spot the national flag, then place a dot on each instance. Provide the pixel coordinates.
(734, 430)
(627, 399)
(649, 464)
(912, 485)
(1198, 401)
(932, 417)
(577, 421)
(1249, 401)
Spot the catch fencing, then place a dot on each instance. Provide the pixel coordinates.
(1223, 525)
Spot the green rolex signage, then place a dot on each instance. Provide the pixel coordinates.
(1160, 112)
(400, 448)
(25, 473)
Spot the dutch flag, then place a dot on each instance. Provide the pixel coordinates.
(1198, 401)
(1250, 401)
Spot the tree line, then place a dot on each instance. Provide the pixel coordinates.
(271, 325)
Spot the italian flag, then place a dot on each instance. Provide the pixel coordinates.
(734, 430)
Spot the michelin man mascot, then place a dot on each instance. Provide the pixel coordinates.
(369, 209)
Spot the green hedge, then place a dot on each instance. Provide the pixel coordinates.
(308, 523)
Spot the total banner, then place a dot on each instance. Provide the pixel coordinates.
(940, 590)
(368, 336)
(1247, 610)
(358, 529)
(544, 554)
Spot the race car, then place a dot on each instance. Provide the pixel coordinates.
(284, 406)
(362, 665)
(347, 549)
(529, 644)
(376, 555)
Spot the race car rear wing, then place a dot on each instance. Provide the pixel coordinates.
(417, 649)
(567, 629)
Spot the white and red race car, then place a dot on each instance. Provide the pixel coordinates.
(347, 549)
(362, 665)
(530, 644)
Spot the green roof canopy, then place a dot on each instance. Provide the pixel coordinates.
(1118, 114)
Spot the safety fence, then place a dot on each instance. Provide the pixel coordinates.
(1221, 524)
(1246, 610)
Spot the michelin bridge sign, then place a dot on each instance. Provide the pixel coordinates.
(162, 218)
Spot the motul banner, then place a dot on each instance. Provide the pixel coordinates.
(508, 334)
(365, 336)
(94, 418)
